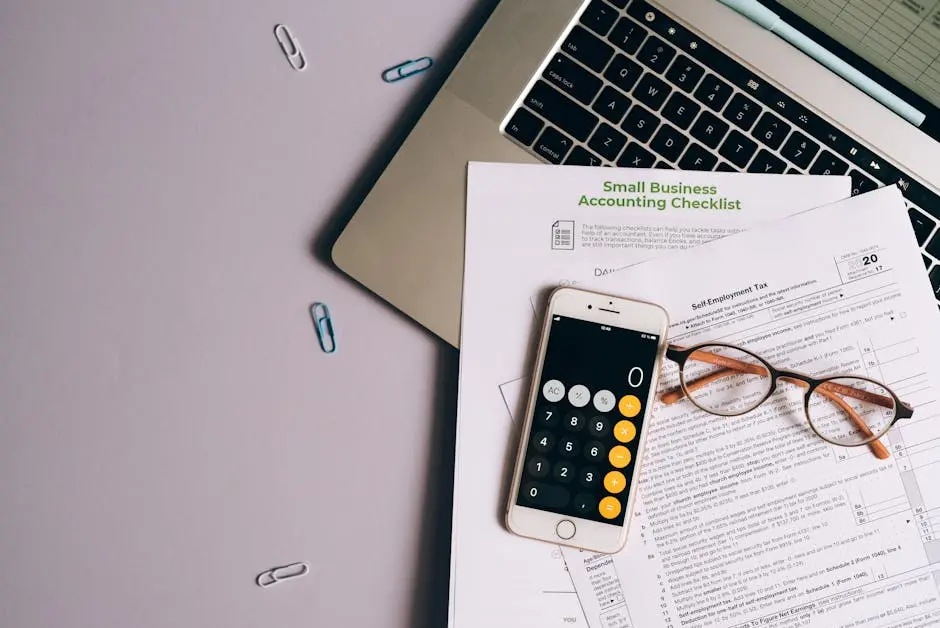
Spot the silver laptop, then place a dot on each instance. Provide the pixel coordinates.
(787, 86)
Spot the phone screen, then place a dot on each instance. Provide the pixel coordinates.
(581, 451)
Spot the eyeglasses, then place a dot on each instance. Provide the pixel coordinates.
(845, 410)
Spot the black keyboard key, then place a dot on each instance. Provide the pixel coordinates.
(611, 104)
(724, 166)
(876, 166)
(662, 165)
(680, 110)
(920, 196)
(778, 101)
(599, 17)
(524, 126)
(935, 280)
(636, 157)
(669, 142)
(685, 74)
(793, 171)
(713, 92)
(553, 145)
(709, 129)
(545, 495)
(572, 78)
(933, 247)
(623, 72)
(770, 130)
(799, 150)
(620, 4)
(822, 130)
(656, 54)
(651, 91)
(927, 261)
(767, 163)
(697, 158)
(922, 223)
(561, 110)
(827, 163)
(627, 35)
(581, 157)
(861, 183)
(607, 141)
(738, 149)
(640, 123)
(742, 111)
(588, 49)
(639, 9)
(739, 76)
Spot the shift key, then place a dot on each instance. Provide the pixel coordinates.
(561, 111)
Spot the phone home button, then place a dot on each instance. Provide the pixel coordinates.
(565, 529)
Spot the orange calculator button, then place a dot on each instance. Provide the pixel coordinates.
(625, 431)
(629, 406)
(614, 482)
(609, 507)
(619, 456)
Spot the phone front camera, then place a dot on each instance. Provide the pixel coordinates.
(590, 306)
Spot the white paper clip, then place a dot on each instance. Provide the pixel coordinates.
(280, 574)
(290, 47)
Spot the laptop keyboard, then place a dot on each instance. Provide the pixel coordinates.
(630, 86)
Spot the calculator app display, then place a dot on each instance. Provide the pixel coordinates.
(581, 450)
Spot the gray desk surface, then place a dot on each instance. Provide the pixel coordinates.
(169, 427)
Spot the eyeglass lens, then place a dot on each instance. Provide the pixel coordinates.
(850, 411)
(725, 380)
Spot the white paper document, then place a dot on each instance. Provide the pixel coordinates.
(530, 228)
(754, 520)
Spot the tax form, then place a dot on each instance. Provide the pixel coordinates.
(753, 520)
(531, 227)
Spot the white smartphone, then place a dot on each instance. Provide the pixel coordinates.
(582, 442)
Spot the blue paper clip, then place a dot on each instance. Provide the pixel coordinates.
(406, 69)
(323, 323)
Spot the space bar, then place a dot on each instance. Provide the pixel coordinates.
(561, 110)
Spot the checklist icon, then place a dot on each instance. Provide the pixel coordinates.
(563, 235)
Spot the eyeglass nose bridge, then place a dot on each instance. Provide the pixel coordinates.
(802, 380)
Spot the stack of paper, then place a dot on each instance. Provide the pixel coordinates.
(809, 533)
